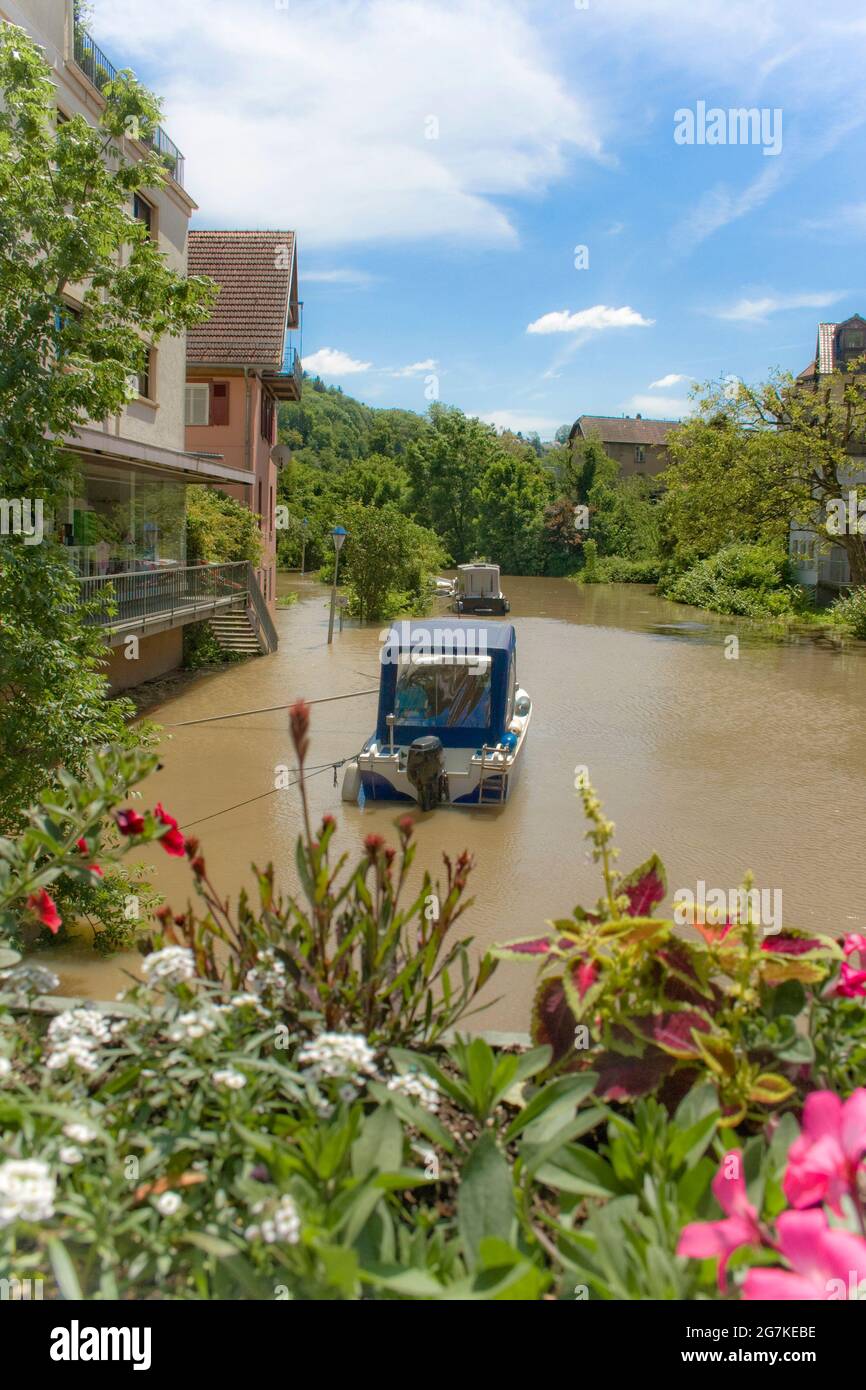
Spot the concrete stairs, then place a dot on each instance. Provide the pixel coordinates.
(235, 633)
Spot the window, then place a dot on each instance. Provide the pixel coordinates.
(219, 403)
(267, 424)
(639, 454)
(146, 380)
(142, 211)
(431, 695)
(198, 404)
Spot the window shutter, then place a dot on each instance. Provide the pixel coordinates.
(219, 403)
(197, 400)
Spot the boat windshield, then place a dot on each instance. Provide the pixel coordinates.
(437, 696)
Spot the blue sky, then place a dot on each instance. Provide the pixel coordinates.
(441, 160)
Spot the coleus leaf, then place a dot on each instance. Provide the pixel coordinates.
(532, 947)
(794, 945)
(770, 1089)
(777, 972)
(628, 1078)
(645, 887)
(636, 931)
(718, 1054)
(673, 1032)
(553, 1022)
(680, 961)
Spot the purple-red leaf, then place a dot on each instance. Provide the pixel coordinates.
(644, 887)
(791, 945)
(627, 1078)
(553, 1022)
(672, 1032)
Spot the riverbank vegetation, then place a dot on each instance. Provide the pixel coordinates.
(280, 1110)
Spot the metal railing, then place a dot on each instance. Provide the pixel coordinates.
(259, 615)
(142, 596)
(96, 66)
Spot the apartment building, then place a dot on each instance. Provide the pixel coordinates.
(639, 446)
(242, 362)
(126, 526)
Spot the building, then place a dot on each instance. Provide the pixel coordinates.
(241, 363)
(125, 530)
(639, 446)
(819, 564)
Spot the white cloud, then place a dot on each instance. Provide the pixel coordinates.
(672, 379)
(759, 310)
(848, 220)
(358, 279)
(660, 407)
(317, 115)
(519, 422)
(417, 368)
(594, 320)
(332, 362)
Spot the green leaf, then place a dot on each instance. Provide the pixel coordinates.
(570, 1090)
(211, 1245)
(379, 1146)
(64, 1271)
(411, 1283)
(582, 1172)
(485, 1203)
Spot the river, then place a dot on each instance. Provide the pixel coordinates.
(719, 764)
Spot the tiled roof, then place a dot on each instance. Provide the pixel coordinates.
(615, 429)
(826, 346)
(254, 273)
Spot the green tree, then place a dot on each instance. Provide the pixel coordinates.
(388, 560)
(446, 466)
(512, 497)
(65, 191)
(220, 529)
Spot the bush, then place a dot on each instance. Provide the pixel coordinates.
(612, 569)
(201, 648)
(747, 580)
(849, 613)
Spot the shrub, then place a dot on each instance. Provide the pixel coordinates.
(613, 569)
(746, 580)
(849, 613)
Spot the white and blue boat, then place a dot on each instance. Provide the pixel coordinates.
(452, 719)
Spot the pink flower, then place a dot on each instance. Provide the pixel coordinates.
(94, 868)
(172, 841)
(703, 1239)
(851, 984)
(823, 1162)
(854, 942)
(827, 1264)
(46, 910)
(129, 822)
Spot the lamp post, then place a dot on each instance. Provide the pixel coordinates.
(304, 524)
(339, 534)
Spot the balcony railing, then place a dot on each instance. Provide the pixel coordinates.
(100, 71)
(166, 596)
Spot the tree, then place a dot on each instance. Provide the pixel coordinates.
(219, 529)
(512, 498)
(388, 559)
(446, 466)
(65, 190)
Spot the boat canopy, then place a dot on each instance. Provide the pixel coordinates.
(451, 679)
(478, 580)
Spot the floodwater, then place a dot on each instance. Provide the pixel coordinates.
(719, 764)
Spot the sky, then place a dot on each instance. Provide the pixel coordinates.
(530, 209)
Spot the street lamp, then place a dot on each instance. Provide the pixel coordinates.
(339, 534)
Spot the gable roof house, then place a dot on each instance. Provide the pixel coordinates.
(819, 566)
(240, 364)
(639, 446)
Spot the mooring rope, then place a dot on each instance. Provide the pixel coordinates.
(268, 709)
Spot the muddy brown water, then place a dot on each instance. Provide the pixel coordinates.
(719, 764)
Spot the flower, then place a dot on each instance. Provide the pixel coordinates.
(75, 1036)
(5, 1067)
(853, 942)
(269, 974)
(27, 1191)
(283, 1223)
(373, 843)
(171, 966)
(129, 822)
(823, 1162)
(195, 1023)
(83, 846)
(346, 1056)
(852, 983)
(702, 1239)
(81, 1133)
(45, 908)
(168, 1203)
(299, 723)
(826, 1262)
(231, 1079)
(31, 979)
(71, 1154)
(422, 1088)
(172, 841)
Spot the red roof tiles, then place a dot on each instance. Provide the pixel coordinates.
(254, 271)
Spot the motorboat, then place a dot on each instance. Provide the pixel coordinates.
(477, 590)
(452, 718)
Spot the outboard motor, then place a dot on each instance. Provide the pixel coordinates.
(425, 768)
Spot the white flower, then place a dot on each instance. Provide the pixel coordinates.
(347, 1056)
(5, 1067)
(26, 1191)
(195, 1023)
(79, 1024)
(347, 1093)
(81, 1133)
(269, 974)
(282, 1224)
(421, 1088)
(31, 979)
(168, 1203)
(71, 1154)
(230, 1078)
(170, 966)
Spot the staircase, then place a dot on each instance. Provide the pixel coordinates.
(235, 632)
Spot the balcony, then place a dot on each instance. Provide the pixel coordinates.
(145, 602)
(286, 383)
(98, 70)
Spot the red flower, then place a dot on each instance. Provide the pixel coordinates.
(406, 825)
(83, 846)
(129, 822)
(852, 983)
(328, 823)
(299, 723)
(46, 909)
(372, 844)
(172, 841)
